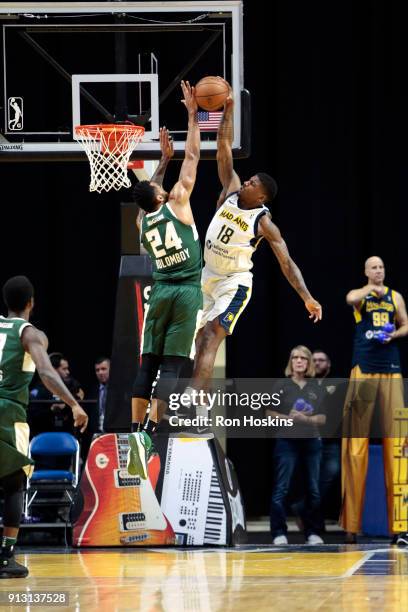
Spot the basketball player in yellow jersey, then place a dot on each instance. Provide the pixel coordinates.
(242, 219)
(375, 358)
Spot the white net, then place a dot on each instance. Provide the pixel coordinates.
(109, 148)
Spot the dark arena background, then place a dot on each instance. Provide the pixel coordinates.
(329, 99)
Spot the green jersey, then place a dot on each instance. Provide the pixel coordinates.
(16, 366)
(173, 246)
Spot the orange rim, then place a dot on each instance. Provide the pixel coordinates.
(107, 128)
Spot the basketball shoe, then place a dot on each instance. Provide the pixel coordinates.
(9, 568)
(280, 540)
(313, 539)
(140, 444)
(402, 539)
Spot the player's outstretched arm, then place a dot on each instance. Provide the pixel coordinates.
(230, 181)
(182, 189)
(272, 234)
(167, 153)
(35, 342)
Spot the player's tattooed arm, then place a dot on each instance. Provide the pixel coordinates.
(35, 342)
(167, 150)
(139, 218)
(291, 271)
(229, 179)
(181, 191)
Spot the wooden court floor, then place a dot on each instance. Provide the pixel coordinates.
(257, 578)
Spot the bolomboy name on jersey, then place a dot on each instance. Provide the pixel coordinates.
(171, 260)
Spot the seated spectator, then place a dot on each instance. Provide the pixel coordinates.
(300, 389)
(55, 416)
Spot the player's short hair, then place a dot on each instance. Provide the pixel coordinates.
(269, 185)
(145, 196)
(17, 292)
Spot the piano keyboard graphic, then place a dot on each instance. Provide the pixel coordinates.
(216, 521)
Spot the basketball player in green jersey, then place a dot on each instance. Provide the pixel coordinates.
(22, 349)
(173, 310)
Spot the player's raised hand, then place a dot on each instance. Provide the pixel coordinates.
(80, 417)
(166, 143)
(189, 100)
(314, 309)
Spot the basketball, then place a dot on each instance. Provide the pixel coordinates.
(211, 93)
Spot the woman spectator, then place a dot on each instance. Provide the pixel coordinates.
(300, 400)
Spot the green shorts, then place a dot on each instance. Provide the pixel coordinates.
(14, 434)
(171, 321)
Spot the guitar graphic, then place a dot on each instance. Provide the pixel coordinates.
(119, 509)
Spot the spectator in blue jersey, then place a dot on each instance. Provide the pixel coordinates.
(300, 389)
(381, 319)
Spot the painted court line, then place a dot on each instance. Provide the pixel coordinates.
(358, 564)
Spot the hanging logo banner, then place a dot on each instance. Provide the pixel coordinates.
(15, 114)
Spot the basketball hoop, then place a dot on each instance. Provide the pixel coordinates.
(109, 147)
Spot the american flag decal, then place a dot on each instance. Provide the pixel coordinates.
(209, 121)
